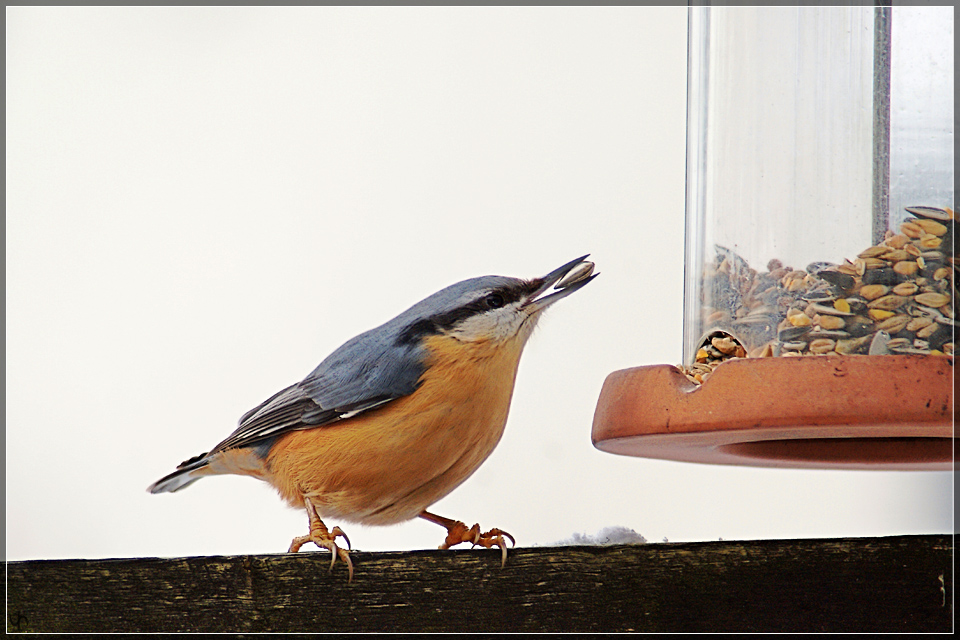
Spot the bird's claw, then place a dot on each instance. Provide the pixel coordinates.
(326, 540)
(494, 537)
(459, 533)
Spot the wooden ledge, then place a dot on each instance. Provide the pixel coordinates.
(890, 584)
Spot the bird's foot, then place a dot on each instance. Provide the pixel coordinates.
(320, 536)
(458, 533)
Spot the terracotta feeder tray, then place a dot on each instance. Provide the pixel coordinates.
(826, 412)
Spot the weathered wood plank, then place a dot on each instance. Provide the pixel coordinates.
(858, 585)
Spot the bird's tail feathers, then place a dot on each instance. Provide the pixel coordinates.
(186, 474)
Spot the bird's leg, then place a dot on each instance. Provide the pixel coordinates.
(322, 537)
(457, 533)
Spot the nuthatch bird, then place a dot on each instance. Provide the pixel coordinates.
(397, 417)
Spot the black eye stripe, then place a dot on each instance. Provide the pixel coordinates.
(495, 299)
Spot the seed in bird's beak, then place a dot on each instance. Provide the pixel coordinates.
(580, 273)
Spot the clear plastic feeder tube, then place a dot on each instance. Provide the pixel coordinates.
(820, 181)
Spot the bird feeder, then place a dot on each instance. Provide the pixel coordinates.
(820, 281)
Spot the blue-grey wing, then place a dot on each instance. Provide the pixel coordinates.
(364, 373)
(369, 369)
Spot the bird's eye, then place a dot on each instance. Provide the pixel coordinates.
(493, 301)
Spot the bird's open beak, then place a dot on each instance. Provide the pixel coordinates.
(569, 278)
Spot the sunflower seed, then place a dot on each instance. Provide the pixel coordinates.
(580, 273)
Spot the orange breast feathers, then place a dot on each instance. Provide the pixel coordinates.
(388, 464)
